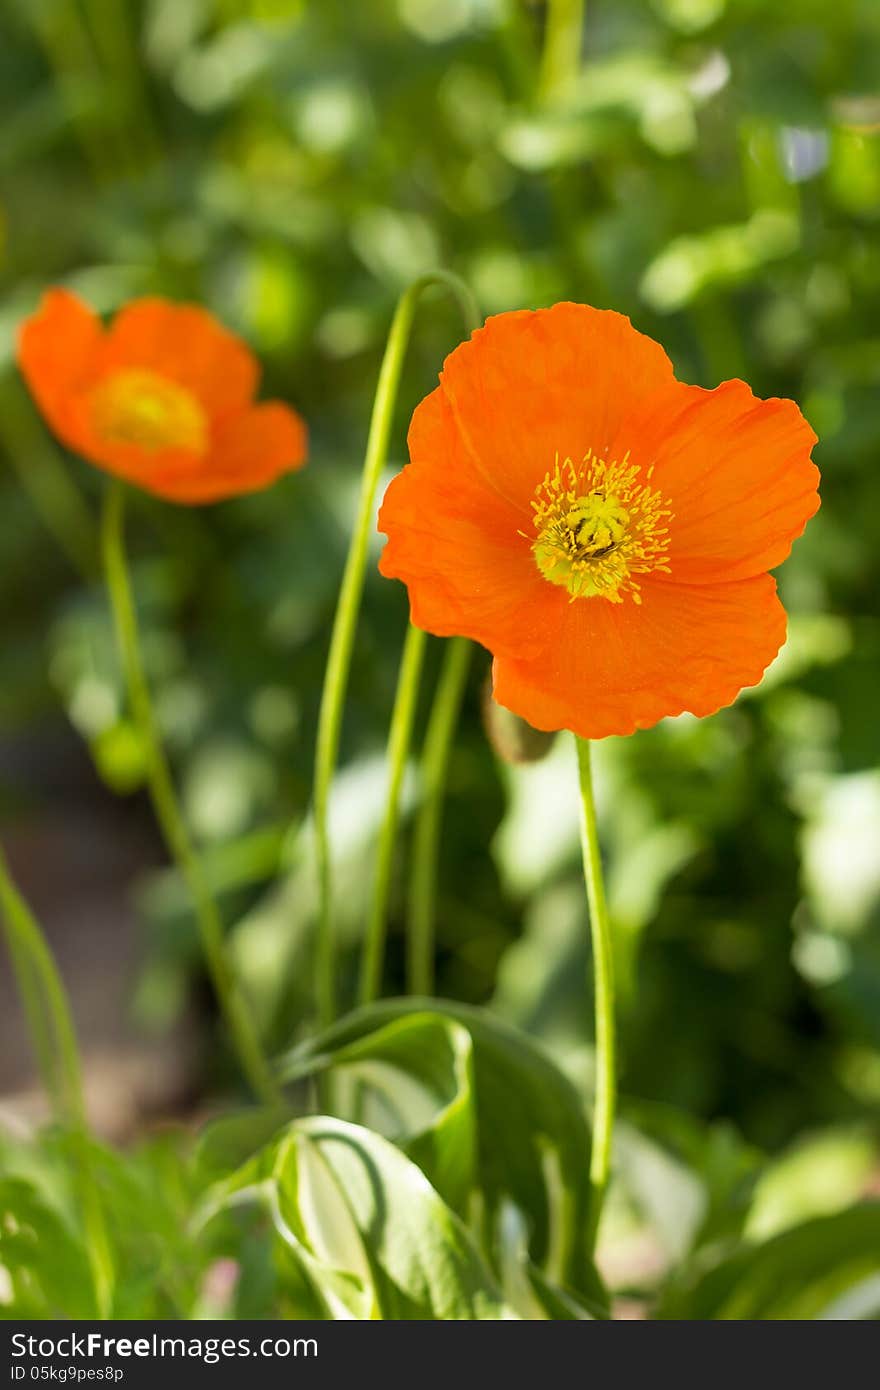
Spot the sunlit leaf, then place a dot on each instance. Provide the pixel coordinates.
(367, 1231)
(804, 1273)
(507, 1124)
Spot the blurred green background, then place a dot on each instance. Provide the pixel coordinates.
(709, 167)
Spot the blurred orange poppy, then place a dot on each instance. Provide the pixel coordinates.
(162, 398)
(603, 529)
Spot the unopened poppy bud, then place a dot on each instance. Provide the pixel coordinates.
(513, 738)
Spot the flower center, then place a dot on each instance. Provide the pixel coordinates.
(599, 524)
(140, 407)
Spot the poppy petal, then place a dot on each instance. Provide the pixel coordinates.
(186, 344)
(613, 668)
(247, 453)
(737, 475)
(536, 384)
(604, 530)
(57, 352)
(458, 545)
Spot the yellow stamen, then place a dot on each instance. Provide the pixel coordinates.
(599, 523)
(136, 406)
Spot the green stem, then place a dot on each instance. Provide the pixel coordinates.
(109, 26)
(167, 809)
(558, 70)
(561, 55)
(44, 998)
(517, 41)
(348, 607)
(70, 55)
(49, 1018)
(399, 736)
(603, 987)
(426, 838)
(39, 1025)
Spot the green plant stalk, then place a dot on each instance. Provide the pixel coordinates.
(109, 27)
(168, 812)
(561, 54)
(70, 54)
(557, 70)
(603, 988)
(336, 673)
(399, 738)
(27, 980)
(54, 1038)
(442, 723)
(517, 42)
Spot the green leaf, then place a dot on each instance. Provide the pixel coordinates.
(147, 1195)
(433, 1120)
(364, 1227)
(228, 1142)
(560, 1305)
(821, 1269)
(506, 1123)
(819, 1174)
(692, 1181)
(526, 1287)
(46, 1264)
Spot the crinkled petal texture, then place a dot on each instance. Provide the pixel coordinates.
(736, 471)
(734, 474)
(531, 385)
(617, 667)
(163, 398)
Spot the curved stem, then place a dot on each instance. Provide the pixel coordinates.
(426, 837)
(348, 607)
(517, 41)
(27, 979)
(399, 736)
(561, 55)
(49, 1018)
(165, 803)
(603, 986)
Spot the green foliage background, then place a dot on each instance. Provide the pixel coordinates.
(712, 169)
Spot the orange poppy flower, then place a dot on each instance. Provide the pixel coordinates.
(162, 398)
(603, 529)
